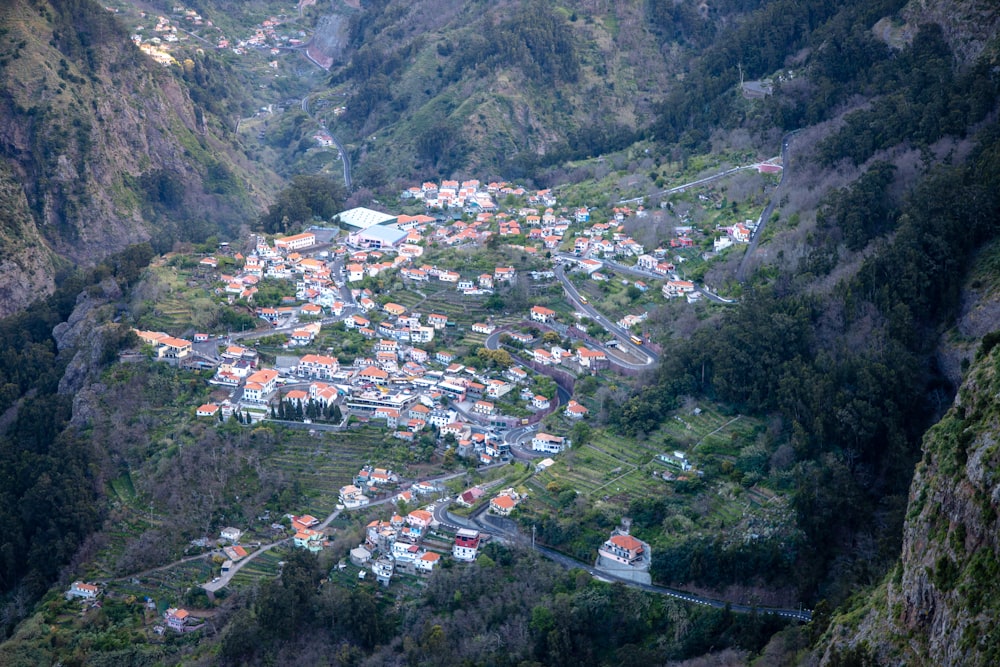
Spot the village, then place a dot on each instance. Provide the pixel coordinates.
(414, 378)
(163, 37)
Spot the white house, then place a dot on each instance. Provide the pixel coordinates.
(427, 562)
(81, 590)
(466, 546)
(542, 314)
(318, 366)
(231, 534)
(548, 443)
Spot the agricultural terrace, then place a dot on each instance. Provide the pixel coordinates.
(727, 485)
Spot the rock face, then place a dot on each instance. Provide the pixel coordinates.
(940, 604)
(86, 335)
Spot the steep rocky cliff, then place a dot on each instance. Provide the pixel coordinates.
(100, 148)
(939, 605)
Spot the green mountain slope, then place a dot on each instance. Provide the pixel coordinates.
(100, 148)
(449, 86)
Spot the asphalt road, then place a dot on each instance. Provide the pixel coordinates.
(568, 562)
(342, 152)
(623, 336)
(804, 615)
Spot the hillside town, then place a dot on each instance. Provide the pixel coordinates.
(409, 378)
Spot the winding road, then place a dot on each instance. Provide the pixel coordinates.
(623, 336)
(741, 272)
(342, 152)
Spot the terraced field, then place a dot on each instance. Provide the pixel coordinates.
(610, 467)
(410, 299)
(180, 306)
(264, 566)
(321, 465)
(442, 298)
(171, 582)
(709, 432)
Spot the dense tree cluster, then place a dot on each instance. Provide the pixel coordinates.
(861, 212)
(306, 198)
(754, 47)
(510, 609)
(48, 492)
(921, 98)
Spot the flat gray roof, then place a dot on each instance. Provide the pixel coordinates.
(363, 218)
(387, 235)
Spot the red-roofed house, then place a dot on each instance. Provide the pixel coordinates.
(503, 505)
(176, 618)
(592, 359)
(622, 549)
(427, 562)
(374, 374)
(81, 590)
(318, 366)
(674, 288)
(542, 314)
(207, 410)
(260, 385)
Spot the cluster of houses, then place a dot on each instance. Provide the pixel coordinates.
(400, 384)
(471, 196)
(176, 619)
(482, 284)
(396, 545)
(741, 232)
(165, 346)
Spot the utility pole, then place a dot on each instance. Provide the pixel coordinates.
(532, 537)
